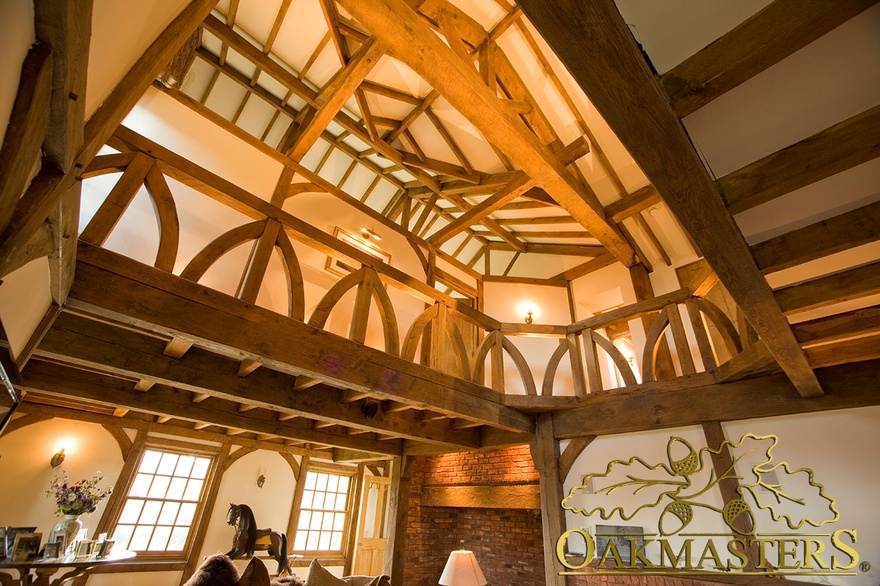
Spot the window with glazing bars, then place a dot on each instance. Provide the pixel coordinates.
(162, 502)
(323, 512)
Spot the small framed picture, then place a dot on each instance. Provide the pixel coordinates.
(11, 534)
(85, 548)
(105, 547)
(26, 545)
(52, 551)
(2, 543)
(61, 540)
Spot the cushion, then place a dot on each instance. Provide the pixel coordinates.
(319, 576)
(255, 574)
(367, 580)
(216, 570)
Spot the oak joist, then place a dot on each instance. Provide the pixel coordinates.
(761, 41)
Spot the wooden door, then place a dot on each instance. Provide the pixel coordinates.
(369, 557)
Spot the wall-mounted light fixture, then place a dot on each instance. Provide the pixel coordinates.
(528, 317)
(261, 480)
(370, 234)
(57, 459)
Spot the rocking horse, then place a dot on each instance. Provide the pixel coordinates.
(248, 538)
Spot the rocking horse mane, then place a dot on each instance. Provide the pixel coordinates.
(247, 523)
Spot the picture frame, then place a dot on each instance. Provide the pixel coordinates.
(11, 533)
(85, 548)
(61, 540)
(2, 543)
(26, 545)
(620, 535)
(52, 550)
(105, 547)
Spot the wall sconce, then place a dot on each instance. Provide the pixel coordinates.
(462, 569)
(261, 480)
(369, 233)
(57, 459)
(528, 317)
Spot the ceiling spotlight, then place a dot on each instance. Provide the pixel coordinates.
(369, 233)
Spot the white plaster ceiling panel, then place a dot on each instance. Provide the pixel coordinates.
(121, 32)
(835, 77)
(851, 189)
(833, 263)
(673, 30)
(198, 79)
(240, 63)
(163, 119)
(256, 116)
(257, 18)
(393, 73)
(226, 97)
(300, 33)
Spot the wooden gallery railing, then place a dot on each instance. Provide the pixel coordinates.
(435, 337)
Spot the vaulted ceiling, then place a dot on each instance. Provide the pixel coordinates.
(530, 143)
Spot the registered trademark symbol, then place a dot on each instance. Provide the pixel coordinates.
(865, 567)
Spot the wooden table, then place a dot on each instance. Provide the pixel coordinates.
(39, 572)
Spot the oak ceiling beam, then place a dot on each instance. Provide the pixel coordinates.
(859, 322)
(117, 288)
(66, 382)
(105, 348)
(852, 142)
(412, 41)
(507, 194)
(333, 96)
(771, 35)
(854, 228)
(835, 288)
(597, 47)
(848, 386)
(140, 421)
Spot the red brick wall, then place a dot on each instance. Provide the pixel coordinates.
(507, 542)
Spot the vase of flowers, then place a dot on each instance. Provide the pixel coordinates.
(73, 500)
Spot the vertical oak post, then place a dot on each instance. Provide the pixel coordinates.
(545, 454)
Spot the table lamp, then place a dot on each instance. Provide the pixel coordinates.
(462, 569)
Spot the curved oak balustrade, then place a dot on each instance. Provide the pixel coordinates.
(435, 337)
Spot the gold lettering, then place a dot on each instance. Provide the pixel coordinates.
(562, 542)
(738, 548)
(637, 553)
(710, 547)
(812, 549)
(612, 549)
(784, 554)
(844, 548)
(667, 553)
(762, 558)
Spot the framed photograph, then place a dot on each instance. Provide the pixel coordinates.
(61, 540)
(85, 548)
(11, 533)
(621, 535)
(26, 545)
(52, 551)
(2, 543)
(105, 547)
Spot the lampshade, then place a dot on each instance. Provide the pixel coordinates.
(462, 569)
